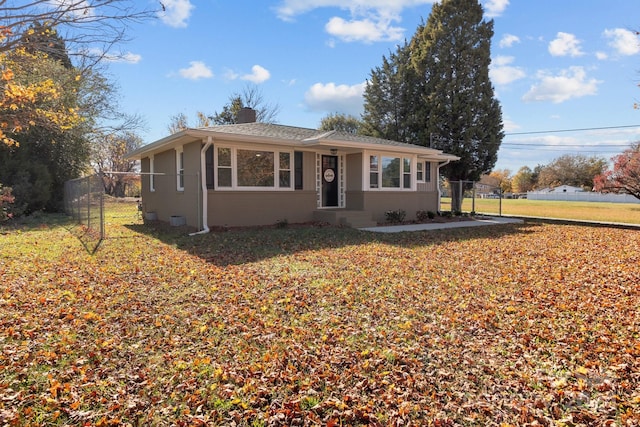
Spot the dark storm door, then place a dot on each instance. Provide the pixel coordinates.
(330, 181)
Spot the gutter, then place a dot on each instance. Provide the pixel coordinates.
(203, 182)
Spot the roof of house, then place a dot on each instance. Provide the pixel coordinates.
(287, 135)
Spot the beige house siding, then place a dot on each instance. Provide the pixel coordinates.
(354, 173)
(236, 205)
(227, 208)
(379, 202)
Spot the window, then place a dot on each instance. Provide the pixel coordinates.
(285, 170)
(180, 169)
(390, 172)
(427, 172)
(387, 172)
(208, 159)
(297, 164)
(406, 173)
(224, 167)
(255, 168)
(420, 171)
(152, 181)
(373, 172)
(245, 168)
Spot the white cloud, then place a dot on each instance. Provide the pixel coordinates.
(258, 75)
(509, 125)
(602, 56)
(363, 30)
(128, 57)
(229, 74)
(331, 98)
(502, 73)
(495, 8)
(565, 44)
(175, 13)
(369, 20)
(625, 42)
(509, 40)
(75, 8)
(570, 83)
(197, 70)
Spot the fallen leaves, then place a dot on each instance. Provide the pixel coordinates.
(537, 324)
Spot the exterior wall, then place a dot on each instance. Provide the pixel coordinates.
(242, 208)
(379, 202)
(252, 207)
(166, 201)
(355, 173)
(309, 171)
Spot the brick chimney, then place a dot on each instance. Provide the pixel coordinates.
(246, 115)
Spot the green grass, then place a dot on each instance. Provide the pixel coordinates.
(588, 211)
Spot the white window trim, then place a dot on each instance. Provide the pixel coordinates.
(234, 168)
(152, 180)
(342, 173)
(380, 155)
(179, 168)
(420, 162)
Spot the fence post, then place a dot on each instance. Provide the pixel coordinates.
(101, 203)
(473, 199)
(89, 202)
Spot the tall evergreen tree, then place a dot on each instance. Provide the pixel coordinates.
(435, 91)
(391, 97)
(451, 54)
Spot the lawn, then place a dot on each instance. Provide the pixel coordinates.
(588, 211)
(530, 324)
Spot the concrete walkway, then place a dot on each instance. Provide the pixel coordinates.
(475, 222)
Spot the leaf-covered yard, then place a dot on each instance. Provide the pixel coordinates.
(528, 324)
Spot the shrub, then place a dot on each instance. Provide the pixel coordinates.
(282, 223)
(395, 216)
(422, 216)
(6, 199)
(446, 214)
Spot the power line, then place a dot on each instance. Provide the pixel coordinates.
(572, 130)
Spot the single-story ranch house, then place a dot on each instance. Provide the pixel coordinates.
(261, 174)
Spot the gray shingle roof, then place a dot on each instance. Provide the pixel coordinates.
(266, 130)
(292, 134)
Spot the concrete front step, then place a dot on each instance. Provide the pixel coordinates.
(355, 219)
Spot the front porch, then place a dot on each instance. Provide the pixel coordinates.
(349, 218)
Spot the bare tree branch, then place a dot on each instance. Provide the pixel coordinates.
(91, 29)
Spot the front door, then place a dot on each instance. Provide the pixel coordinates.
(330, 186)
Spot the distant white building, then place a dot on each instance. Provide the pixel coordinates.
(577, 194)
(565, 189)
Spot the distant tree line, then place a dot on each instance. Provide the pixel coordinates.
(589, 173)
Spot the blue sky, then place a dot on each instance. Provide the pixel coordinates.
(556, 65)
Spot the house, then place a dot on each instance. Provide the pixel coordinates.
(261, 174)
(566, 189)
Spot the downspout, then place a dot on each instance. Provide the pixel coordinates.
(203, 182)
(438, 182)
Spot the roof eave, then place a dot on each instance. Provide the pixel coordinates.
(163, 143)
(422, 152)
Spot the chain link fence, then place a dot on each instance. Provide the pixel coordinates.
(477, 197)
(86, 201)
